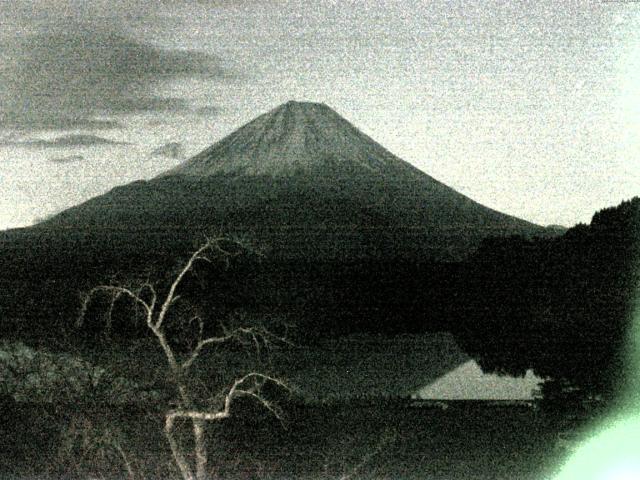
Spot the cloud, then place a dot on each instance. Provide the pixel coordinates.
(149, 104)
(208, 110)
(67, 159)
(74, 77)
(64, 142)
(43, 122)
(173, 150)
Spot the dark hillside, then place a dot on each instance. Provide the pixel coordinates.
(561, 306)
(319, 199)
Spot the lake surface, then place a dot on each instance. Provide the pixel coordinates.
(469, 382)
(429, 366)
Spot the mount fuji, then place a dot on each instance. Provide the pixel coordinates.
(301, 182)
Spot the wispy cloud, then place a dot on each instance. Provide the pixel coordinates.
(173, 150)
(73, 78)
(28, 121)
(208, 110)
(63, 142)
(67, 159)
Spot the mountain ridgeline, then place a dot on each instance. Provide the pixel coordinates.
(322, 201)
(301, 182)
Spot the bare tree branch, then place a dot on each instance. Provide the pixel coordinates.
(250, 384)
(176, 451)
(233, 393)
(154, 295)
(197, 255)
(116, 291)
(384, 442)
(200, 345)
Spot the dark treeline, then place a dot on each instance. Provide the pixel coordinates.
(561, 306)
(558, 305)
(46, 276)
(318, 299)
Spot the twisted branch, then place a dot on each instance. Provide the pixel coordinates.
(179, 369)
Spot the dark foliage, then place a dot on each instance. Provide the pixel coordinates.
(561, 306)
(325, 442)
(558, 305)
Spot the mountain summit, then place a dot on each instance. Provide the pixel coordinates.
(300, 181)
(294, 137)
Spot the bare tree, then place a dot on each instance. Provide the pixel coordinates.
(155, 308)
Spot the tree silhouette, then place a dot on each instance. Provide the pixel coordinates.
(559, 306)
(155, 309)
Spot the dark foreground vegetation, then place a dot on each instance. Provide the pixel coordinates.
(388, 440)
(560, 306)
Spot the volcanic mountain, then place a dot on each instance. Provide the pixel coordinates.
(299, 181)
(349, 232)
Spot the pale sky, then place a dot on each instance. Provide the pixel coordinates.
(529, 107)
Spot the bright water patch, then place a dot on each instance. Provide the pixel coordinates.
(469, 382)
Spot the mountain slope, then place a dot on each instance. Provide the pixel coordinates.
(299, 181)
(349, 233)
(291, 138)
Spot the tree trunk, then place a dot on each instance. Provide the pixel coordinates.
(199, 436)
(181, 462)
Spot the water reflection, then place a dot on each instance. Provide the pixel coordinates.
(469, 382)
